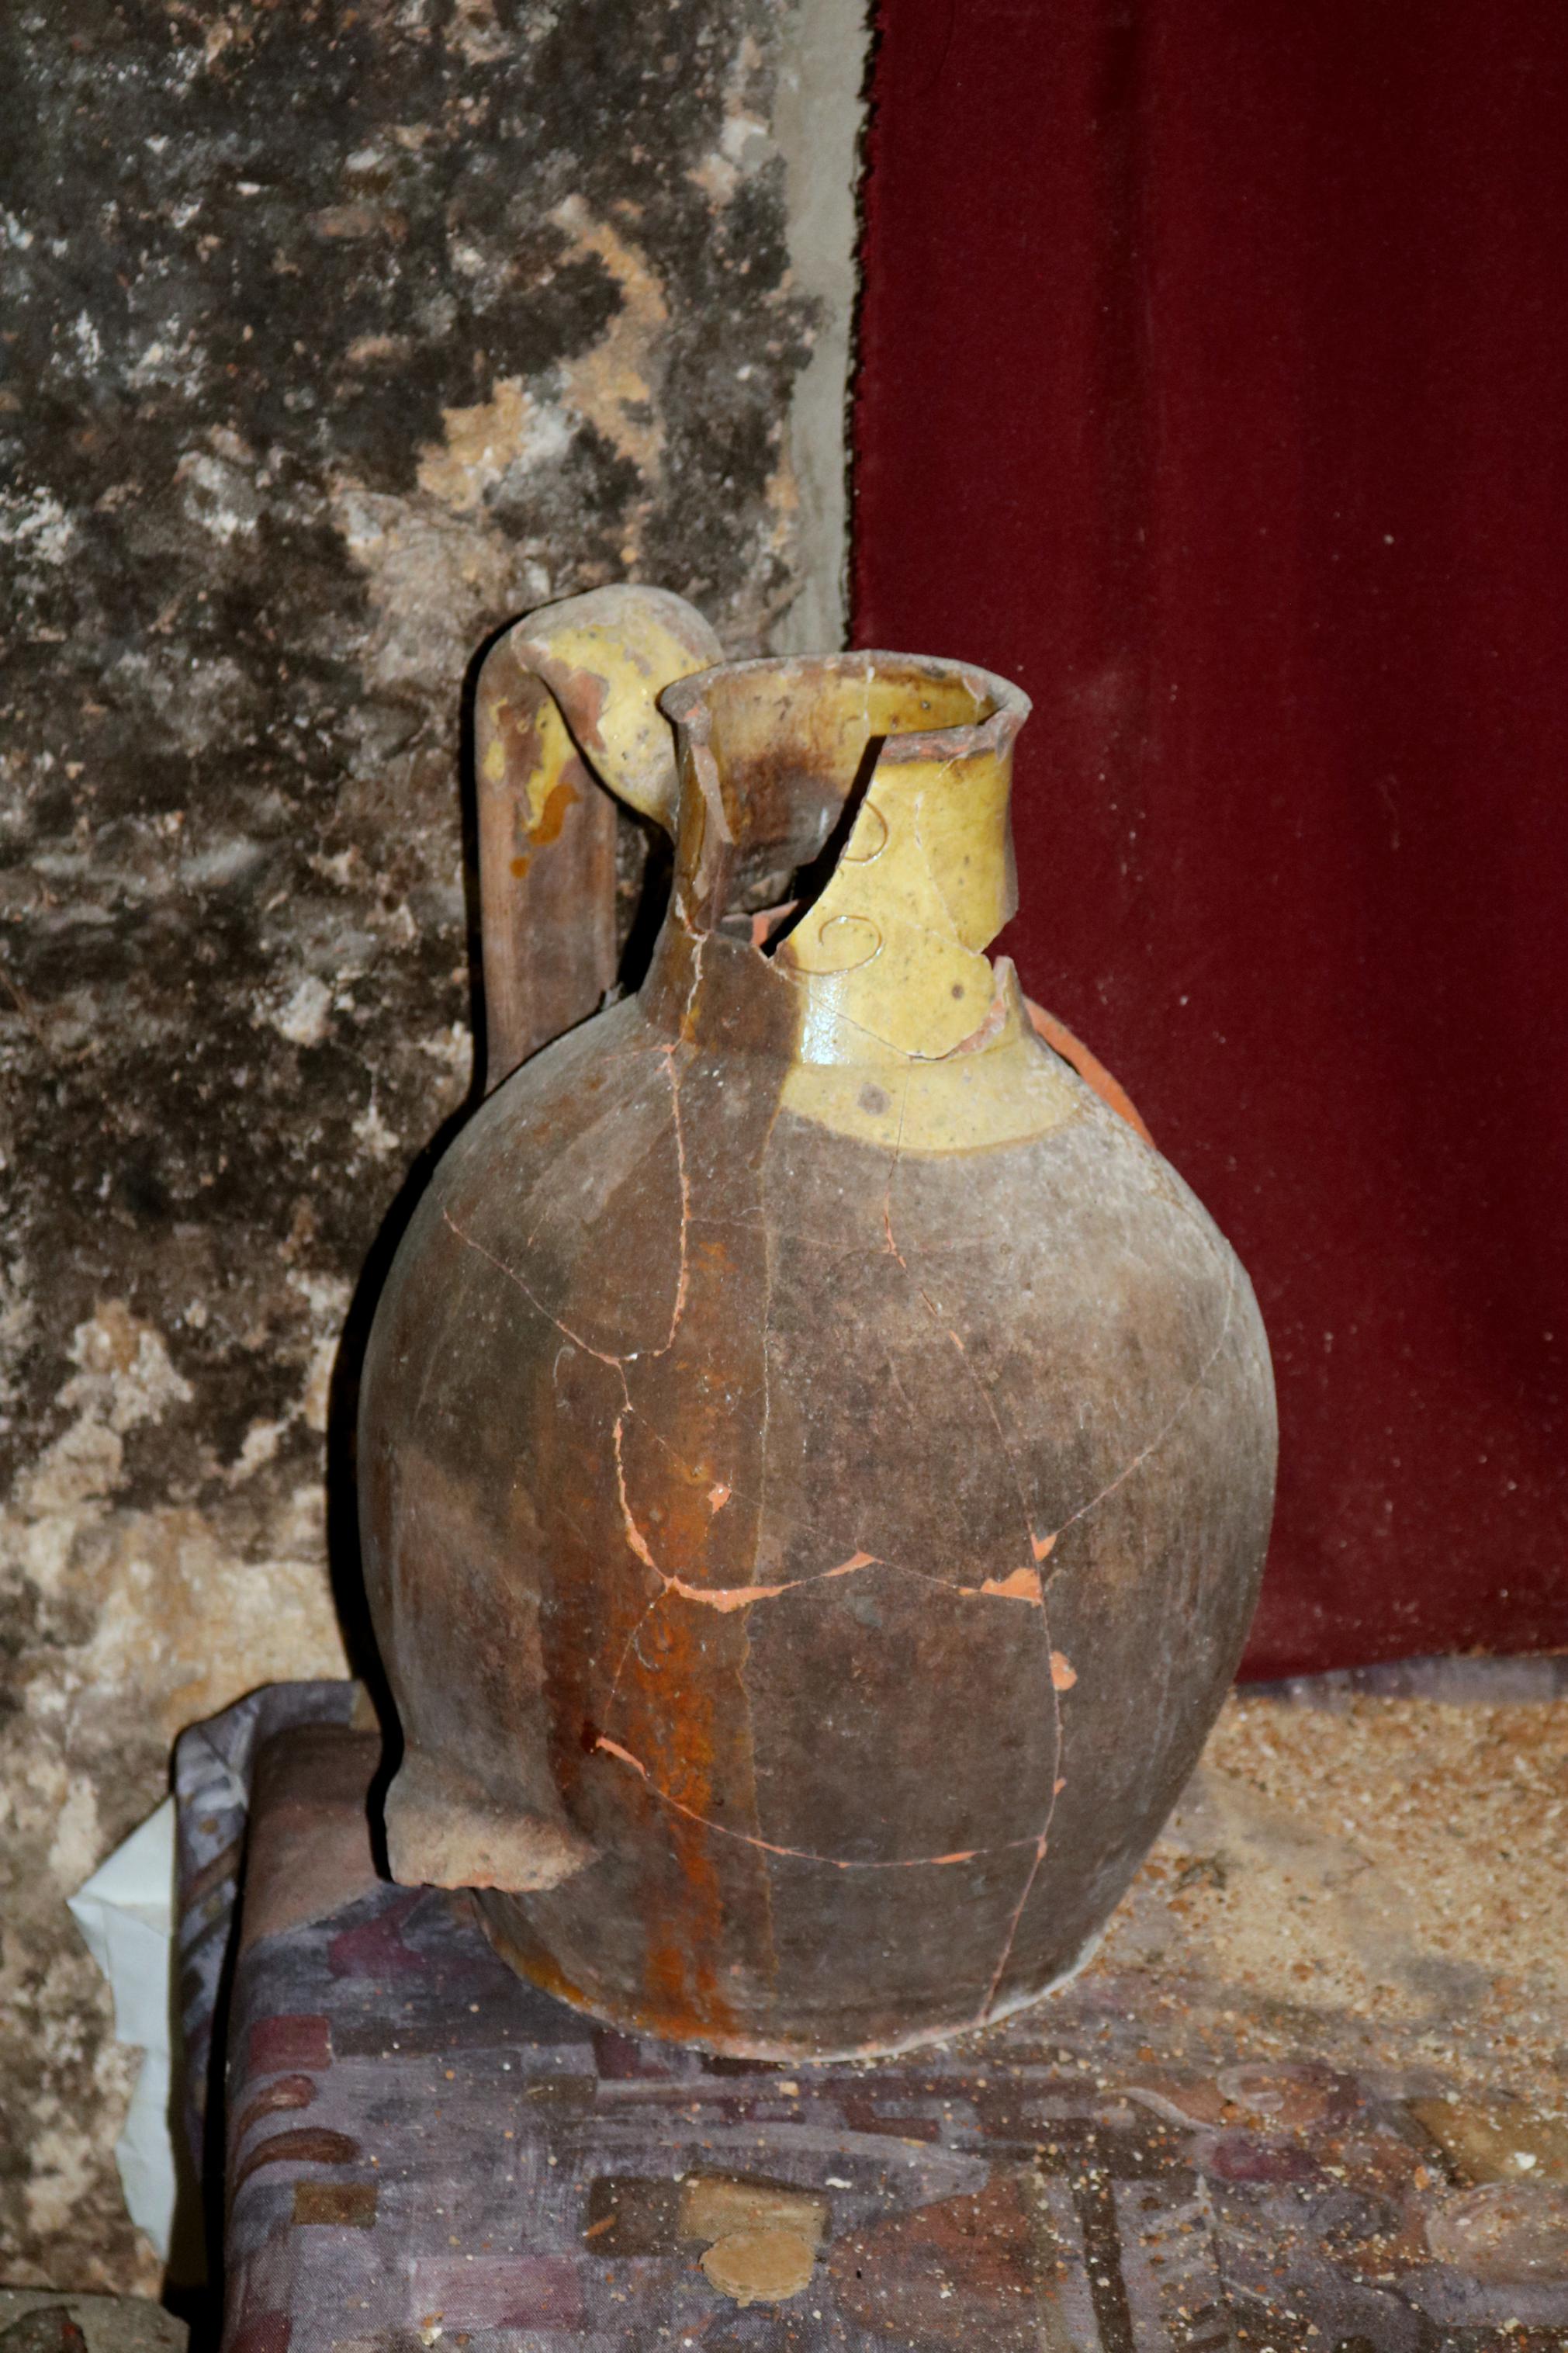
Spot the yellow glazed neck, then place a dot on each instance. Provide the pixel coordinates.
(902, 768)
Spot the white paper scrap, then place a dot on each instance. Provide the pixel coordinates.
(126, 1912)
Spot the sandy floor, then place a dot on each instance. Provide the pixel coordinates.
(1389, 1875)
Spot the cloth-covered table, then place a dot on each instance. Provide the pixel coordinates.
(421, 2148)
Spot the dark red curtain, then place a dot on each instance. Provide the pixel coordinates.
(1214, 385)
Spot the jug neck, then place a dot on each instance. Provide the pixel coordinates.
(868, 792)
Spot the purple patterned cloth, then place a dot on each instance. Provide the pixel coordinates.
(421, 2148)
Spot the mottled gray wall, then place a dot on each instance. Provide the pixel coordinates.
(336, 337)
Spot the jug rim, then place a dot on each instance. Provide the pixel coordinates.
(686, 702)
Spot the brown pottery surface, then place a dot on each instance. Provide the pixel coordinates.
(816, 1457)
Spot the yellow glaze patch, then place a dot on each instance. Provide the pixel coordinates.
(961, 822)
(606, 658)
(1006, 1092)
(924, 883)
(555, 749)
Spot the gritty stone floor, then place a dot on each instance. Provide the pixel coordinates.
(1384, 1880)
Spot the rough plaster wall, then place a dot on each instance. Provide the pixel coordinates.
(819, 120)
(336, 337)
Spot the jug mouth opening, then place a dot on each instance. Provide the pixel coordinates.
(787, 745)
(901, 696)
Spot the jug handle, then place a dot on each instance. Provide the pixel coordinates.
(567, 703)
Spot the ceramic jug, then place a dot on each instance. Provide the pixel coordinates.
(816, 1457)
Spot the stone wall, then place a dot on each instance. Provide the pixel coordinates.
(337, 335)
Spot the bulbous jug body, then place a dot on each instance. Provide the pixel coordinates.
(816, 1456)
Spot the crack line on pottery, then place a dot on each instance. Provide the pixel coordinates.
(1043, 1840)
(1021, 1585)
(730, 1598)
(667, 1052)
(1036, 1541)
(630, 1644)
(684, 1269)
(725, 1598)
(742, 1675)
(634, 1534)
(762, 1364)
(848, 1021)
(619, 1363)
(893, 1172)
(1018, 1584)
(1160, 1435)
(736, 1494)
(800, 1854)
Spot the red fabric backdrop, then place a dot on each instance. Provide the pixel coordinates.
(1215, 385)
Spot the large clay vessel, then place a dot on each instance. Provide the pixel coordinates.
(816, 1457)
